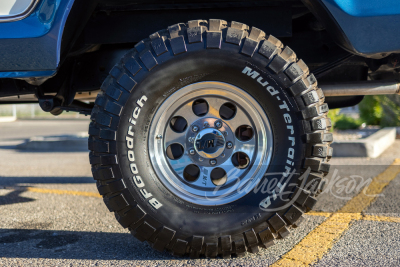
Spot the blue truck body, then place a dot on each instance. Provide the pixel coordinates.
(30, 47)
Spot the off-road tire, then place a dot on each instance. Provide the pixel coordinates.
(200, 42)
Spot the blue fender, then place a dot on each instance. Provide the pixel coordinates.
(371, 27)
(31, 47)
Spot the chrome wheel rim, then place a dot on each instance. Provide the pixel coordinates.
(210, 143)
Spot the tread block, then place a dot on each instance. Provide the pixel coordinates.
(281, 60)
(299, 87)
(113, 91)
(102, 173)
(318, 124)
(195, 246)
(226, 243)
(100, 100)
(93, 129)
(140, 46)
(126, 82)
(314, 111)
(108, 159)
(211, 250)
(270, 47)
(163, 238)
(116, 71)
(310, 202)
(277, 64)
(144, 232)
(130, 217)
(239, 25)
(316, 164)
(214, 25)
(108, 134)
(249, 47)
(310, 97)
(159, 46)
(320, 93)
(214, 40)
(132, 66)
(266, 237)
(178, 45)
(94, 159)
(251, 238)
(328, 137)
(300, 196)
(113, 108)
(313, 181)
(101, 146)
(294, 71)
(195, 34)
(114, 186)
(174, 30)
(256, 34)
(116, 203)
(276, 222)
(319, 137)
(320, 151)
(234, 36)
(148, 60)
(314, 138)
(293, 214)
(103, 119)
(179, 248)
(240, 247)
(311, 79)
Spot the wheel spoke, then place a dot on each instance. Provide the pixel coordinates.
(214, 104)
(246, 147)
(186, 112)
(241, 118)
(172, 137)
(180, 164)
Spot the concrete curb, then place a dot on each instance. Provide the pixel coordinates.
(370, 147)
(56, 143)
(8, 119)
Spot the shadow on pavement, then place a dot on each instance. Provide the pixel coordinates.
(13, 183)
(32, 243)
(14, 197)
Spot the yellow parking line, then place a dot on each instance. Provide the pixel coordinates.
(317, 243)
(62, 192)
(376, 218)
(381, 218)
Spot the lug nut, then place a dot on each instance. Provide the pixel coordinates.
(191, 151)
(213, 161)
(195, 128)
(206, 124)
(218, 124)
(159, 136)
(201, 159)
(229, 145)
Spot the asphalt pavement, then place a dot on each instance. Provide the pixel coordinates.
(51, 215)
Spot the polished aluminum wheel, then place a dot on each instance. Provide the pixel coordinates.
(210, 143)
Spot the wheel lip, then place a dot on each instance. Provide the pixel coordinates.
(167, 110)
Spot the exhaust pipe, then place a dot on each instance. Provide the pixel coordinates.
(389, 87)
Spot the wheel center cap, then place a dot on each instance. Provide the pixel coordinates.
(209, 143)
